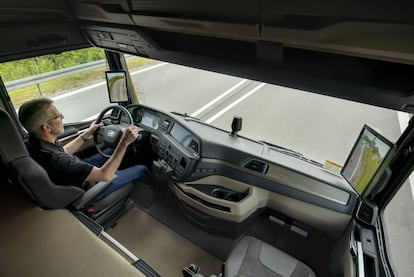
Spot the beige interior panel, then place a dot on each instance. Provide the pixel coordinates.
(256, 198)
(331, 222)
(36, 242)
(312, 215)
(293, 179)
(307, 184)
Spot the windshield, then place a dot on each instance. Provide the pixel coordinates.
(319, 127)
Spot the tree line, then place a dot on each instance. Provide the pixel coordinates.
(19, 69)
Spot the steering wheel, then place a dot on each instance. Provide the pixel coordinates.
(111, 134)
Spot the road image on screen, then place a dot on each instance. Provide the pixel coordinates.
(117, 87)
(365, 158)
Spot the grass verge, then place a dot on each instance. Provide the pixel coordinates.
(68, 83)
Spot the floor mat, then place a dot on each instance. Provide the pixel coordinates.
(164, 208)
(160, 246)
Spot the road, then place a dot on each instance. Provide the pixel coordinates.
(322, 128)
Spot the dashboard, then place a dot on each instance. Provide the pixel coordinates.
(233, 177)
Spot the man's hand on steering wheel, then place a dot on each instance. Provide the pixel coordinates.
(130, 135)
(111, 134)
(92, 128)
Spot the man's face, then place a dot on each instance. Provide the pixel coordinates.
(55, 121)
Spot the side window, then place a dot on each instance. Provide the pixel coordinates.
(75, 80)
(399, 229)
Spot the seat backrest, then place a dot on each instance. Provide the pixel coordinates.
(22, 169)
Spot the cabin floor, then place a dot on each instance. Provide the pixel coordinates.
(167, 251)
(157, 230)
(157, 201)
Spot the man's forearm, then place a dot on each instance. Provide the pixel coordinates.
(75, 144)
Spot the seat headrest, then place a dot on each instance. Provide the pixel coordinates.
(12, 146)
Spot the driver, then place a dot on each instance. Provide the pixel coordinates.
(44, 123)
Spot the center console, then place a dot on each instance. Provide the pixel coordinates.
(180, 150)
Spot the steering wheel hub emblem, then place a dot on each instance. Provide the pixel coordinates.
(111, 133)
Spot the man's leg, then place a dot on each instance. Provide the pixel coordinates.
(125, 176)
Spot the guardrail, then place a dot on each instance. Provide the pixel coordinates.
(37, 79)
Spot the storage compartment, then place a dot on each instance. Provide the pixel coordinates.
(231, 201)
(216, 225)
(221, 192)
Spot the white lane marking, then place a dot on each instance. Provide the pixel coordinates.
(77, 91)
(215, 100)
(148, 68)
(102, 83)
(403, 119)
(220, 113)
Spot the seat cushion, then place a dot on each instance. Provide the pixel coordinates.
(253, 257)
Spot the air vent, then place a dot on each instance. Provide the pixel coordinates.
(257, 165)
(366, 213)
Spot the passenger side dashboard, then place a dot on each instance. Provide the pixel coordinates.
(232, 178)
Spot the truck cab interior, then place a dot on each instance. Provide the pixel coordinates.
(217, 202)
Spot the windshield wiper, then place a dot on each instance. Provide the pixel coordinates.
(292, 153)
(283, 149)
(185, 115)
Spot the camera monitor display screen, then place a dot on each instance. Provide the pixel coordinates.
(365, 159)
(117, 86)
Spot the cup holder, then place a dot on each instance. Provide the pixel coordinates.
(226, 195)
(218, 193)
(234, 197)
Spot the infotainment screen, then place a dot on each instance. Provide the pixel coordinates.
(366, 157)
(181, 134)
(117, 86)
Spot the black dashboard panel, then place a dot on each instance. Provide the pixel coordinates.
(196, 150)
(176, 144)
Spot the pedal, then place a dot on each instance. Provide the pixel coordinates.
(146, 268)
(191, 270)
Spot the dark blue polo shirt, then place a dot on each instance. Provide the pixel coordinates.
(63, 168)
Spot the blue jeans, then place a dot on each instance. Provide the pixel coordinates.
(123, 176)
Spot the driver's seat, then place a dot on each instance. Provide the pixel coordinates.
(22, 169)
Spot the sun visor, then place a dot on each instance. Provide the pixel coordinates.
(116, 12)
(369, 29)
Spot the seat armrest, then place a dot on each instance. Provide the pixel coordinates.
(91, 193)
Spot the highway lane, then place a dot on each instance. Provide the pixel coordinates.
(179, 88)
(165, 86)
(83, 103)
